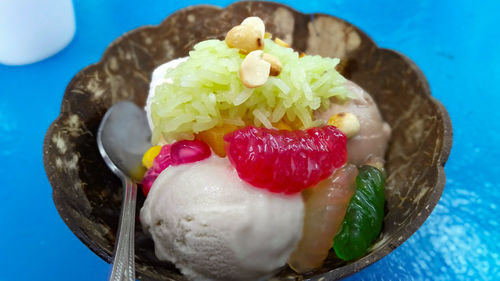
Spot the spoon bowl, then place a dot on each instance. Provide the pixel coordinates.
(122, 138)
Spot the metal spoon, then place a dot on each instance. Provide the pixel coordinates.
(122, 138)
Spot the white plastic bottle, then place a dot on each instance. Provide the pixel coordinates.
(32, 30)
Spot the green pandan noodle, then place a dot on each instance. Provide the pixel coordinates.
(365, 214)
(206, 91)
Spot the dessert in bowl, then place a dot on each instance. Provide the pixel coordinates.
(88, 197)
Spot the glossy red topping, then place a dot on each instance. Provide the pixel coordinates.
(286, 161)
(181, 152)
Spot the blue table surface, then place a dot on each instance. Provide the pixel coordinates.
(455, 43)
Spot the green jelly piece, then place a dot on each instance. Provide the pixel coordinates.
(365, 214)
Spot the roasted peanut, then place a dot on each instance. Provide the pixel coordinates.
(248, 36)
(346, 122)
(275, 64)
(245, 38)
(254, 70)
(256, 23)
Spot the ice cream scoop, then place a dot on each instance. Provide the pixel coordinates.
(214, 226)
(371, 141)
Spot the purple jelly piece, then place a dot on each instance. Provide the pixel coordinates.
(181, 152)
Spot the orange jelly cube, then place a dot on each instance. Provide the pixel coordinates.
(215, 138)
(282, 125)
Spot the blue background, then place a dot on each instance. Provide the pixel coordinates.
(455, 43)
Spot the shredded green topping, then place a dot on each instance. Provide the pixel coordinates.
(206, 91)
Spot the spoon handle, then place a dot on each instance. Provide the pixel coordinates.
(123, 264)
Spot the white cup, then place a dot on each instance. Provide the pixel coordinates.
(32, 30)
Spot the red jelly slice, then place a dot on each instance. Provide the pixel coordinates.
(188, 151)
(286, 161)
(181, 152)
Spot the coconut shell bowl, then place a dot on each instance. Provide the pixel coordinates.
(88, 195)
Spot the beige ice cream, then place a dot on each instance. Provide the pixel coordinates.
(371, 141)
(214, 226)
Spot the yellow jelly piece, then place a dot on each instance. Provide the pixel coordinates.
(150, 155)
